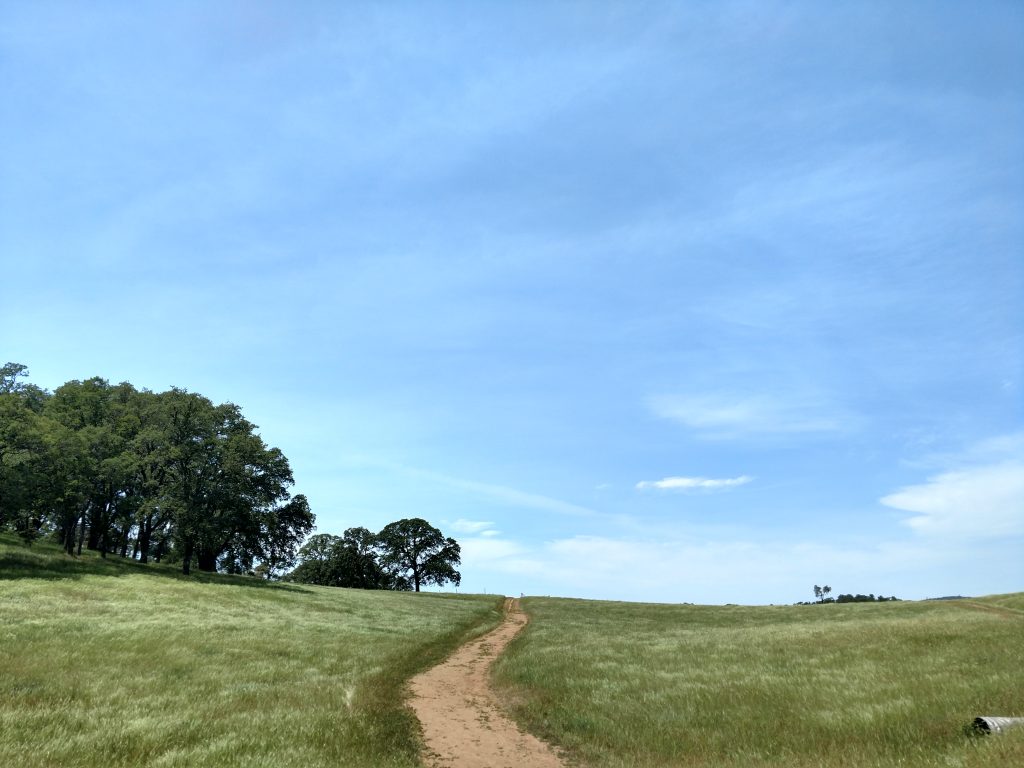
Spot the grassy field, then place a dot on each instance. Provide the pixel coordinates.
(890, 684)
(110, 663)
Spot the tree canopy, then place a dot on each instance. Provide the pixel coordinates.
(341, 561)
(173, 477)
(169, 476)
(415, 550)
(405, 555)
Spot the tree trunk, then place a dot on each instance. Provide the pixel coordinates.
(186, 563)
(124, 540)
(69, 537)
(104, 523)
(207, 560)
(145, 534)
(161, 550)
(95, 528)
(81, 536)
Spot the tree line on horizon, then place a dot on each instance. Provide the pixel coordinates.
(171, 477)
(821, 595)
(405, 555)
(167, 476)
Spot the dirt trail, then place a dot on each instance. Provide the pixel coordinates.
(463, 721)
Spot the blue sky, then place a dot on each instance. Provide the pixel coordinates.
(704, 302)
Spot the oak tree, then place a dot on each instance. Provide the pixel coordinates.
(414, 551)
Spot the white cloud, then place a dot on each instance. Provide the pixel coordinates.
(742, 571)
(980, 502)
(693, 483)
(471, 526)
(502, 494)
(992, 450)
(501, 559)
(1000, 445)
(721, 417)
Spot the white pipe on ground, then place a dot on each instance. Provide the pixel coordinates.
(990, 724)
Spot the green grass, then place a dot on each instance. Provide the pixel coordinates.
(111, 663)
(891, 684)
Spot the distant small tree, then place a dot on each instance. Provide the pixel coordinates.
(28, 531)
(413, 550)
(342, 561)
(318, 561)
(817, 593)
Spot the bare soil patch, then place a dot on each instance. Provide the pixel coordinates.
(464, 723)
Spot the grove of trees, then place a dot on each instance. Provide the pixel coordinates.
(821, 595)
(168, 476)
(405, 555)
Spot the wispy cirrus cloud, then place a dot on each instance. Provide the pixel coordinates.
(978, 502)
(478, 527)
(992, 450)
(693, 483)
(502, 494)
(718, 417)
(979, 495)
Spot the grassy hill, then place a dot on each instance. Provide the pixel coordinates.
(855, 685)
(111, 663)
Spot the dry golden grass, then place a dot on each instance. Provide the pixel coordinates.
(114, 664)
(891, 684)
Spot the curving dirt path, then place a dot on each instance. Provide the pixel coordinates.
(463, 721)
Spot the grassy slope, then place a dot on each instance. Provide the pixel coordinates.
(109, 663)
(622, 684)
